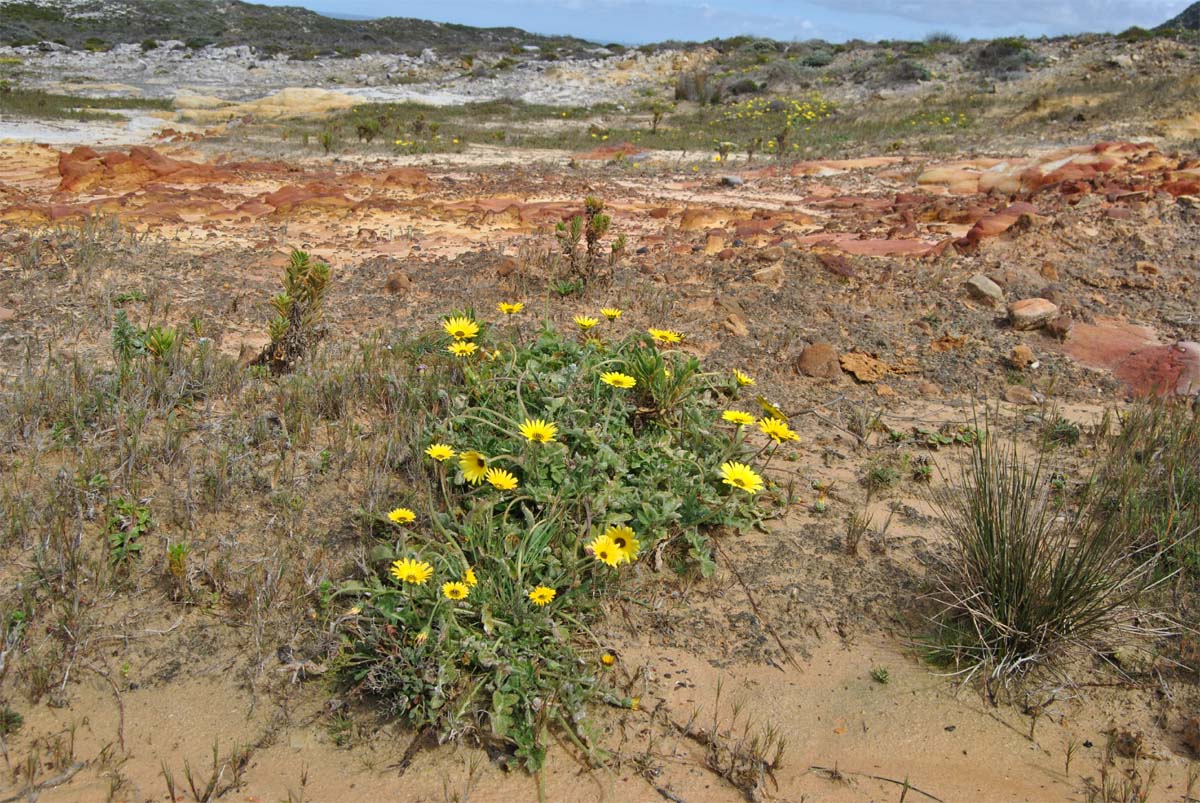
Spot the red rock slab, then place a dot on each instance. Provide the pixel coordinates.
(605, 153)
(409, 178)
(1162, 370)
(997, 223)
(290, 197)
(830, 167)
(853, 244)
(1107, 342)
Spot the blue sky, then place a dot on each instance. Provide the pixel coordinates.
(637, 21)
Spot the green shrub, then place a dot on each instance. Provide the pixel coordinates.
(1028, 577)
(474, 617)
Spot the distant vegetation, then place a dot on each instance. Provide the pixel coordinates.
(18, 102)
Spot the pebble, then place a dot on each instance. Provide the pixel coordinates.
(1031, 313)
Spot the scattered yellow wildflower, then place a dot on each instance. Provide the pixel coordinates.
(608, 659)
(742, 379)
(469, 577)
(665, 335)
(422, 637)
(460, 328)
(604, 550)
(440, 451)
(510, 309)
(501, 479)
(585, 321)
(612, 313)
(411, 571)
(618, 379)
(542, 596)
(402, 515)
(462, 348)
(738, 417)
(625, 540)
(740, 475)
(454, 590)
(777, 429)
(474, 467)
(538, 430)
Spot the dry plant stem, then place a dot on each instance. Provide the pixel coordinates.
(120, 703)
(58, 780)
(754, 605)
(834, 772)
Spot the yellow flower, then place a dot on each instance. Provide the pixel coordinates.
(455, 590)
(585, 321)
(474, 467)
(411, 571)
(462, 348)
(623, 539)
(402, 515)
(542, 596)
(469, 577)
(440, 451)
(539, 431)
(501, 479)
(777, 429)
(742, 379)
(618, 379)
(635, 704)
(604, 550)
(608, 659)
(740, 475)
(461, 328)
(422, 637)
(612, 313)
(665, 335)
(510, 309)
(738, 417)
(355, 611)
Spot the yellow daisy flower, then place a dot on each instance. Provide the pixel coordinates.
(542, 596)
(618, 379)
(461, 328)
(665, 335)
(740, 475)
(455, 590)
(738, 417)
(538, 430)
(462, 348)
(440, 451)
(604, 550)
(585, 321)
(474, 467)
(469, 577)
(510, 309)
(402, 515)
(743, 380)
(608, 659)
(777, 430)
(624, 539)
(612, 313)
(411, 571)
(501, 479)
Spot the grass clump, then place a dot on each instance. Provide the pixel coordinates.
(555, 473)
(1028, 577)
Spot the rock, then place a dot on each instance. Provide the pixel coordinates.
(1049, 272)
(1191, 734)
(714, 244)
(1128, 743)
(7, 315)
(732, 181)
(507, 267)
(1122, 60)
(1019, 394)
(398, 283)
(1021, 357)
(929, 389)
(863, 367)
(735, 324)
(1146, 268)
(820, 360)
(984, 289)
(772, 254)
(771, 274)
(1031, 313)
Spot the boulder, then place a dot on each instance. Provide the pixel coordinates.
(1031, 313)
(820, 360)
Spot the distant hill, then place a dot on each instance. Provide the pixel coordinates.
(1188, 19)
(270, 29)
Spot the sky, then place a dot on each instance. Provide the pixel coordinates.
(640, 21)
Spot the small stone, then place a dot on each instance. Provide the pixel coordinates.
(820, 360)
(1019, 394)
(7, 314)
(771, 274)
(985, 289)
(398, 283)
(864, 367)
(726, 254)
(732, 181)
(1031, 313)
(714, 244)
(1146, 268)
(930, 389)
(1021, 357)
(1127, 743)
(507, 267)
(1049, 272)
(735, 324)
(772, 254)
